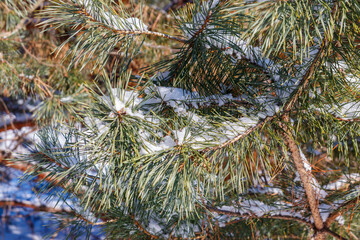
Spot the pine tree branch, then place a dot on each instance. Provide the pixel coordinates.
(37, 208)
(21, 24)
(27, 167)
(207, 20)
(322, 234)
(130, 32)
(44, 176)
(305, 176)
(295, 96)
(17, 125)
(138, 225)
(352, 235)
(50, 160)
(249, 216)
(242, 135)
(338, 118)
(348, 120)
(313, 67)
(245, 217)
(104, 222)
(341, 210)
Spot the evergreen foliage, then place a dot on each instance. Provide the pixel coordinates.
(241, 122)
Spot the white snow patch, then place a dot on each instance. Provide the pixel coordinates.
(340, 219)
(112, 19)
(306, 163)
(343, 181)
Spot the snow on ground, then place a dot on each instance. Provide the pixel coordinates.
(25, 223)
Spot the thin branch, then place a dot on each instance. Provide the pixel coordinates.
(294, 98)
(352, 235)
(281, 217)
(341, 210)
(27, 167)
(311, 70)
(207, 20)
(97, 223)
(138, 225)
(242, 135)
(17, 125)
(348, 120)
(130, 32)
(249, 216)
(49, 159)
(334, 234)
(41, 61)
(37, 208)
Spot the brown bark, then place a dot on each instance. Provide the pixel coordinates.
(26, 167)
(37, 208)
(17, 125)
(306, 179)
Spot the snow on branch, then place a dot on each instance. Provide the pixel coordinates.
(200, 132)
(284, 215)
(256, 209)
(111, 19)
(343, 182)
(201, 19)
(116, 23)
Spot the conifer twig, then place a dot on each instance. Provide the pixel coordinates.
(249, 216)
(341, 210)
(37, 208)
(281, 217)
(131, 32)
(242, 135)
(21, 24)
(294, 98)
